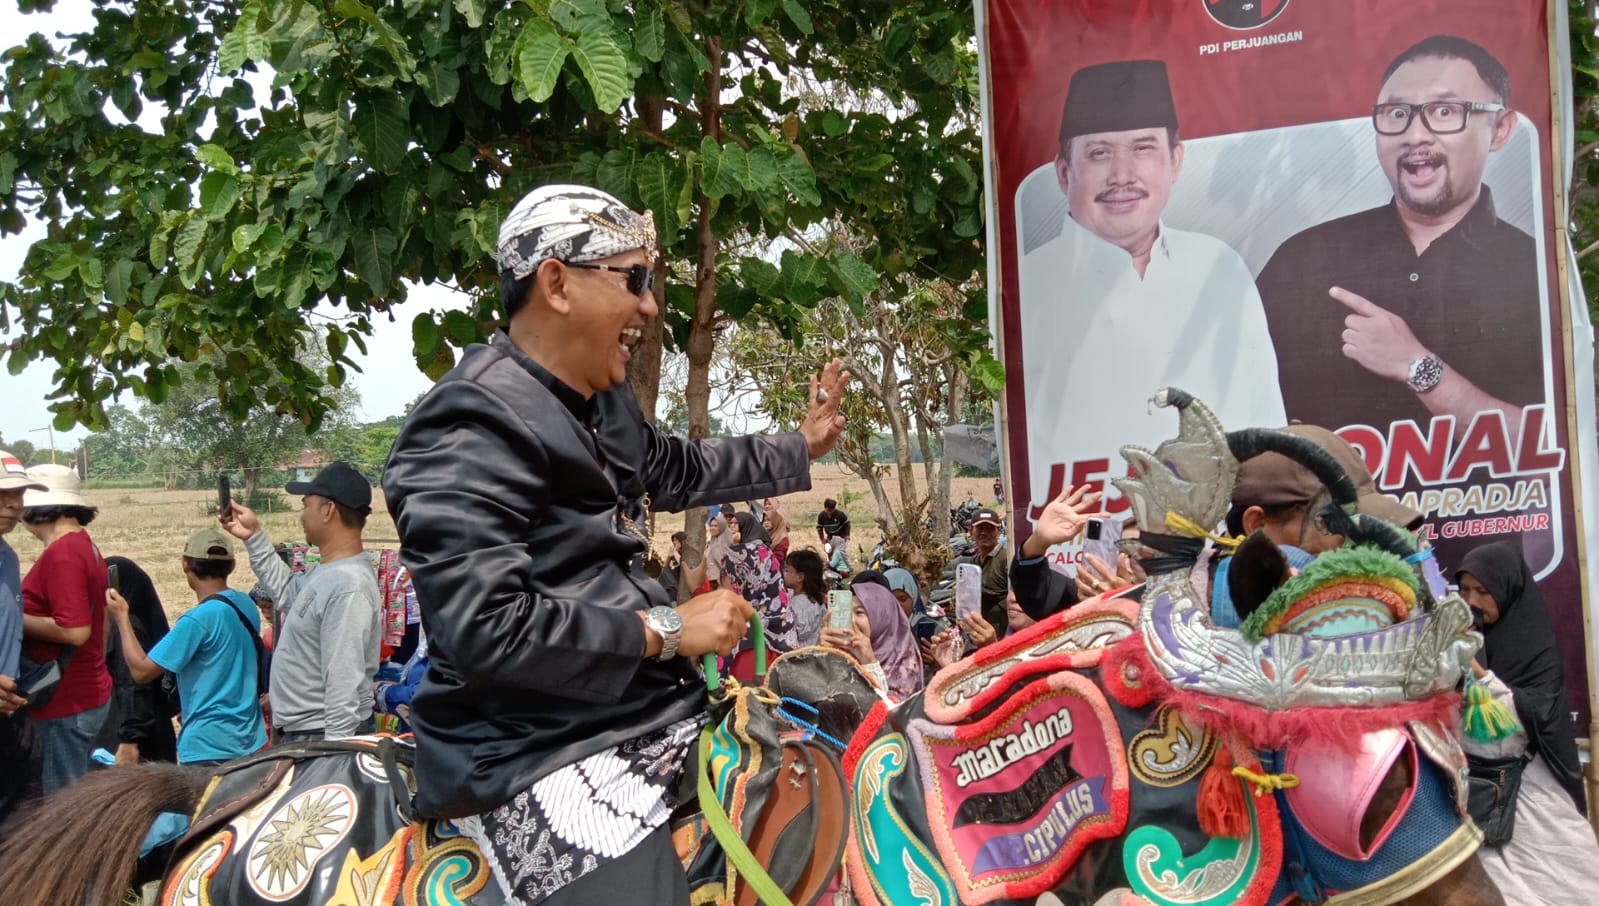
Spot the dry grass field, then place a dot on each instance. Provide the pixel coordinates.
(149, 526)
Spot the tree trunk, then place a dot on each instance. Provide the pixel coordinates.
(702, 327)
(644, 367)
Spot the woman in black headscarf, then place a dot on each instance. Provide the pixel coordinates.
(1519, 648)
(139, 725)
(1522, 667)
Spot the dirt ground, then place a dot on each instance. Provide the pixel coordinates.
(149, 526)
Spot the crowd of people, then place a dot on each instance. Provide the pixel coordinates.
(551, 670)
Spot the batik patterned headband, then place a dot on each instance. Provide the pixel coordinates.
(569, 223)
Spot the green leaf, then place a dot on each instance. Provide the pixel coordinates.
(391, 40)
(615, 173)
(462, 327)
(968, 224)
(857, 278)
(374, 257)
(540, 54)
(720, 176)
(187, 250)
(382, 129)
(804, 277)
(473, 10)
(440, 83)
(216, 157)
(231, 52)
(798, 178)
(758, 11)
(605, 68)
(660, 182)
(798, 15)
(761, 170)
(118, 280)
(580, 15)
(649, 34)
(298, 277)
(424, 336)
(833, 124)
(245, 236)
(219, 192)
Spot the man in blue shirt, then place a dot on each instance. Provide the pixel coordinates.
(14, 743)
(211, 650)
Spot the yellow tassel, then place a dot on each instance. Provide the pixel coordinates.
(1486, 719)
(1181, 524)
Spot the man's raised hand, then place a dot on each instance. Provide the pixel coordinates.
(1062, 519)
(823, 424)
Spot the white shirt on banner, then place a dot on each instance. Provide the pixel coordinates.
(1098, 341)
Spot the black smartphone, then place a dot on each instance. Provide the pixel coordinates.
(224, 496)
(113, 579)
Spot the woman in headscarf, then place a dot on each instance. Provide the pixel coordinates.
(892, 644)
(776, 525)
(905, 589)
(718, 538)
(1522, 666)
(750, 569)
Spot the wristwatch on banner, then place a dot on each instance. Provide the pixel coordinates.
(1425, 373)
(669, 624)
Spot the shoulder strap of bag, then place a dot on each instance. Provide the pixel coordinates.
(254, 636)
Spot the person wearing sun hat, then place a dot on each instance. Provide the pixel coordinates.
(64, 620)
(15, 731)
(562, 700)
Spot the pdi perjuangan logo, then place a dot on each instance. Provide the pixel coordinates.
(1244, 14)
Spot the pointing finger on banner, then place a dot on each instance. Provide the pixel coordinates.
(1355, 302)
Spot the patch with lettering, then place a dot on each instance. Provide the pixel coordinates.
(1071, 639)
(1013, 798)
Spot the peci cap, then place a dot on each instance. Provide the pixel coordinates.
(54, 485)
(1115, 97)
(209, 543)
(339, 482)
(1272, 479)
(14, 477)
(989, 516)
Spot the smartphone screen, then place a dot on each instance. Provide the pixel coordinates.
(224, 496)
(968, 590)
(840, 609)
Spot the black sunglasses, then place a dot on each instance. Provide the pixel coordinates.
(640, 277)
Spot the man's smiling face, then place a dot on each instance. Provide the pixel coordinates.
(607, 320)
(1434, 174)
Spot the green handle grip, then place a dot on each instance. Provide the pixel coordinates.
(713, 680)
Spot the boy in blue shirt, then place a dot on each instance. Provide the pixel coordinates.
(211, 652)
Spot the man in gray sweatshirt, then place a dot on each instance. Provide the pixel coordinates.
(329, 618)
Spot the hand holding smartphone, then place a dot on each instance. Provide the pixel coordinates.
(1100, 536)
(968, 590)
(113, 578)
(841, 609)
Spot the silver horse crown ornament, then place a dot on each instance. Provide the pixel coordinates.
(1185, 484)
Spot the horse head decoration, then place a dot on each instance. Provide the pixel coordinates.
(1130, 746)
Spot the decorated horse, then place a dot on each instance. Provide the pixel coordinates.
(1124, 750)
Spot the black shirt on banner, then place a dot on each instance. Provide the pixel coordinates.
(1471, 298)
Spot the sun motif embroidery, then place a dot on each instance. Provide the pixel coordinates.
(295, 836)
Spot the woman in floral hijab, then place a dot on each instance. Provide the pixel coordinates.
(750, 568)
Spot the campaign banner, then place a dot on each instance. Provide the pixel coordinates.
(1342, 214)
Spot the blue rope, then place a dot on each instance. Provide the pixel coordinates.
(810, 728)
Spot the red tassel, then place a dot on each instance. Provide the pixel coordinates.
(1221, 806)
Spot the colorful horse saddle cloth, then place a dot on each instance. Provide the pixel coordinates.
(323, 823)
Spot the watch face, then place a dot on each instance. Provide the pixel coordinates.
(667, 618)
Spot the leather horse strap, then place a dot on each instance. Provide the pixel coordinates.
(799, 836)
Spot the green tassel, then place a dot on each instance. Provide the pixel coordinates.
(1487, 720)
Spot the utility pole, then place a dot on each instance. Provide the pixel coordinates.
(52, 430)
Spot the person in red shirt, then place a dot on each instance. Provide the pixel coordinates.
(64, 620)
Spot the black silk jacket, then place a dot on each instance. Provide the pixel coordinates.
(513, 497)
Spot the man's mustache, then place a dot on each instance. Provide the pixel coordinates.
(1122, 193)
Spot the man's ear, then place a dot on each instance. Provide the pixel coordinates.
(1060, 171)
(1176, 160)
(1254, 519)
(552, 282)
(1504, 124)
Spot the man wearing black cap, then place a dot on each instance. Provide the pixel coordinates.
(994, 558)
(1119, 303)
(329, 618)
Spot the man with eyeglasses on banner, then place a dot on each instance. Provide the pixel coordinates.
(562, 702)
(1428, 305)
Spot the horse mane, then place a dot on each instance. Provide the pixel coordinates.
(81, 845)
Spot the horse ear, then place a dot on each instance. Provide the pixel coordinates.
(1257, 570)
